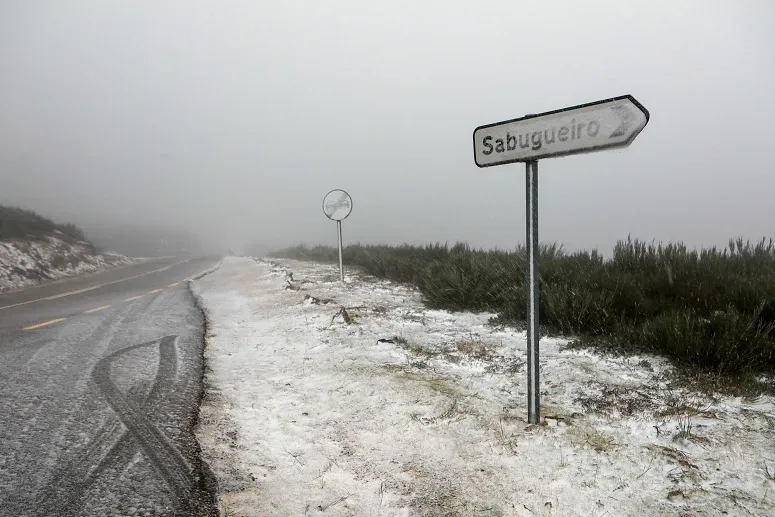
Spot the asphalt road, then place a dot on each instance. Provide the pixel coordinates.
(100, 380)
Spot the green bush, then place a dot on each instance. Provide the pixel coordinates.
(728, 342)
(712, 309)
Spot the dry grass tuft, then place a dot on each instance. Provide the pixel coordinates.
(473, 349)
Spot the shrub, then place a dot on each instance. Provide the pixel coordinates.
(712, 309)
(727, 343)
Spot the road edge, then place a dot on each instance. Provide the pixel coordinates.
(203, 273)
(208, 482)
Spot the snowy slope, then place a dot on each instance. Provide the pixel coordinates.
(306, 414)
(29, 262)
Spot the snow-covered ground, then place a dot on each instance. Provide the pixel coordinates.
(307, 414)
(29, 262)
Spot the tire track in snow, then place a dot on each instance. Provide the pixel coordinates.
(140, 434)
(158, 450)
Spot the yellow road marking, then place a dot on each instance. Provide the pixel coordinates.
(32, 327)
(173, 284)
(97, 309)
(133, 298)
(155, 291)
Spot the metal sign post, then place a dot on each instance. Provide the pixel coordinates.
(337, 205)
(531, 234)
(586, 128)
(339, 240)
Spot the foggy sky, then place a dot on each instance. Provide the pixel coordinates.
(234, 118)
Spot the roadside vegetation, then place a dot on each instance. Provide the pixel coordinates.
(17, 223)
(711, 311)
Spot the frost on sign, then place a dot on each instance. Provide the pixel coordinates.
(337, 205)
(580, 129)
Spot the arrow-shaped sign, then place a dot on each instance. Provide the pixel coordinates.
(579, 129)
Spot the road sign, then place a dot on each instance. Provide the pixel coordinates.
(337, 205)
(579, 129)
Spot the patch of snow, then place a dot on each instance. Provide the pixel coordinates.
(409, 411)
(29, 262)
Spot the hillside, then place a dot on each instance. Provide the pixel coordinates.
(34, 249)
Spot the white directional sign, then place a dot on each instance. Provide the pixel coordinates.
(337, 205)
(579, 129)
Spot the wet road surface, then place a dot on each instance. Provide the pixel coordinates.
(100, 379)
